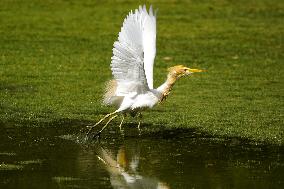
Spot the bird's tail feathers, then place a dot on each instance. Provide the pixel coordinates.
(110, 89)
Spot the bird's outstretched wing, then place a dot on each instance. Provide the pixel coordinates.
(134, 53)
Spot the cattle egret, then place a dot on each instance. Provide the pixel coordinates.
(131, 89)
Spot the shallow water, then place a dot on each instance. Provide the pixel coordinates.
(62, 158)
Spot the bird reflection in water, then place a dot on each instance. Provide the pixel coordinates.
(123, 169)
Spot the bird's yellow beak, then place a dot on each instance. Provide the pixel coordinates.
(195, 70)
(190, 70)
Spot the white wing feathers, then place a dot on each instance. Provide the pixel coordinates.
(149, 44)
(134, 53)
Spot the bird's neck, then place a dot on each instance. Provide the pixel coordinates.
(166, 87)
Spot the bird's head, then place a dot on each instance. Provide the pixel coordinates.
(180, 71)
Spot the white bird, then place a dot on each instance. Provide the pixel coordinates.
(131, 90)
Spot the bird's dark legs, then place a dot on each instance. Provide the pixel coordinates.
(99, 133)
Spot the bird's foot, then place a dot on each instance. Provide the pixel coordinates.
(90, 129)
(97, 135)
(90, 132)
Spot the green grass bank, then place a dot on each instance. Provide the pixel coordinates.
(55, 56)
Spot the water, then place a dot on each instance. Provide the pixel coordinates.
(61, 158)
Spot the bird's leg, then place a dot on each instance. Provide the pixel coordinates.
(106, 116)
(99, 133)
(139, 123)
(121, 122)
(138, 126)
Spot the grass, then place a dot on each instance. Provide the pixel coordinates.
(55, 56)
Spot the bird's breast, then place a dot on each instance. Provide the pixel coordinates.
(147, 100)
